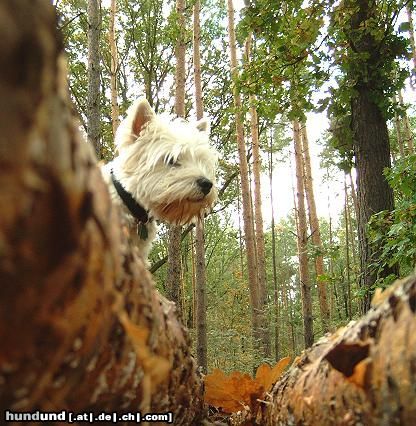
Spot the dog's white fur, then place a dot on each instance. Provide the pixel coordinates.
(160, 162)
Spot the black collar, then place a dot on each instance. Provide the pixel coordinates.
(133, 206)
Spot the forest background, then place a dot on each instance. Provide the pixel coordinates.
(314, 82)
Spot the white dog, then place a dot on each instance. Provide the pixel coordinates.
(165, 171)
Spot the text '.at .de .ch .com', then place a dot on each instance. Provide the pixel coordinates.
(70, 417)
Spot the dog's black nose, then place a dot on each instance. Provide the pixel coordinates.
(205, 185)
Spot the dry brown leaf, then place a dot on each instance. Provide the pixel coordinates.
(237, 391)
(232, 393)
(267, 376)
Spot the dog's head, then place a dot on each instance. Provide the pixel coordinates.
(168, 166)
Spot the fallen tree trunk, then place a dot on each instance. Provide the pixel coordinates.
(82, 327)
(364, 374)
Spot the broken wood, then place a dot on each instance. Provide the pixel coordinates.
(364, 374)
(82, 327)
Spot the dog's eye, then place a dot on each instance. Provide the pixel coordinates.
(172, 162)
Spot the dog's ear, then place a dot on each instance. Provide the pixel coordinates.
(143, 113)
(203, 125)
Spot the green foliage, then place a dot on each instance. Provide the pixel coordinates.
(395, 232)
(367, 54)
(287, 63)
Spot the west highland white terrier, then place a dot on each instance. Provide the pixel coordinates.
(165, 171)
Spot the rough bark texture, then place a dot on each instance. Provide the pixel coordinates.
(200, 275)
(93, 99)
(245, 185)
(315, 232)
(364, 374)
(81, 325)
(371, 148)
(302, 240)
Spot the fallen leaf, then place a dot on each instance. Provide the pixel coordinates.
(232, 393)
(268, 376)
(239, 391)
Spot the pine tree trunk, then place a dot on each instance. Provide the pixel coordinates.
(347, 250)
(174, 273)
(245, 188)
(115, 120)
(354, 195)
(397, 127)
(353, 243)
(315, 233)
(200, 275)
(407, 129)
(175, 232)
(81, 325)
(93, 96)
(302, 240)
(362, 375)
(274, 260)
(409, 10)
(258, 216)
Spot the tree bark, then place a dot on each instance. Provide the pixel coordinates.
(174, 267)
(407, 128)
(348, 243)
(371, 148)
(274, 260)
(409, 9)
(115, 120)
(258, 217)
(93, 95)
(302, 240)
(245, 188)
(397, 127)
(362, 374)
(81, 325)
(315, 233)
(200, 275)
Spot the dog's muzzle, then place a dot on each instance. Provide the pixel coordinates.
(204, 185)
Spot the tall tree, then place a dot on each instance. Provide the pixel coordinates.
(369, 131)
(174, 275)
(409, 10)
(245, 188)
(200, 275)
(93, 99)
(348, 243)
(258, 214)
(274, 260)
(115, 121)
(408, 136)
(315, 232)
(302, 239)
(397, 127)
(150, 28)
